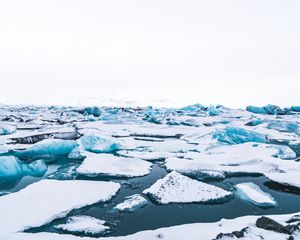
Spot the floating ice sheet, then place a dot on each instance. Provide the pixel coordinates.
(176, 188)
(83, 224)
(44, 201)
(252, 193)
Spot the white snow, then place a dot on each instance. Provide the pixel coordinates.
(110, 165)
(83, 224)
(290, 178)
(132, 203)
(176, 188)
(252, 193)
(46, 200)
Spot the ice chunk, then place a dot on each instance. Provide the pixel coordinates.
(290, 178)
(227, 160)
(252, 193)
(176, 188)
(193, 108)
(99, 144)
(110, 165)
(6, 129)
(284, 126)
(48, 148)
(11, 167)
(83, 224)
(235, 135)
(132, 203)
(46, 200)
(95, 111)
(295, 108)
(268, 109)
(214, 111)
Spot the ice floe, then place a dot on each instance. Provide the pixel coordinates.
(176, 188)
(132, 203)
(83, 224)
(110, 165)
(246, 158)
(290, 178)
(46, 200)
(252, 193)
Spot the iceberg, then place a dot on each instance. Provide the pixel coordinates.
(268, 109)
(235, 135)
(290, 127)
(132, 203)
(46, 200)
(11, 167)
(214, 111)
(48, 148)
(99, 144)
(6, 129)
(295, 108)
(110, 165)
(83, 224)
(193, 108)
(95, 111)
(252, 193)
(176, 188)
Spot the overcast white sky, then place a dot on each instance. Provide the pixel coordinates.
(76, 52)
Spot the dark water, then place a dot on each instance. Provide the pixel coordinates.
(155, 215)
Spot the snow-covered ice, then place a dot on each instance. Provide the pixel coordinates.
(290, 178)
(110, 165)
(252, 193)
(176, 188)
(132, 203)
(46, 200)
(83, 224)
